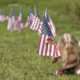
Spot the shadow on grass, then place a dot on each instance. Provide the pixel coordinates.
(69, 71)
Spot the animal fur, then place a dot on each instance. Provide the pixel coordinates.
(68, 45)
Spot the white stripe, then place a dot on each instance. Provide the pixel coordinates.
(59, 53)
(41, 44)
(38, 21)
(35, 22)
(44, 50)
(53, 27)
(39, 30)
(52, 50)
(32, 24)
(45, 46)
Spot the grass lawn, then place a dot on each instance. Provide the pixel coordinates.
(18, 52)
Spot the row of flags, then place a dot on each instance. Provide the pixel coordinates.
(45, 27)
(47, 32)
(33, 21)
(15, 23)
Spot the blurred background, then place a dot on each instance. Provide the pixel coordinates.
(64, 13)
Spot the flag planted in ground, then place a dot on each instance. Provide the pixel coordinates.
(11, 21)
(35, 20)
(29, 18)
(2, 17)
(50, 24)
(45, 48)
(18, 23)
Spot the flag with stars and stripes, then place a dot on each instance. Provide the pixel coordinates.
(35, 20)
(18, 23)
(11, 21)
(2, 17)
(29, 18)
(45, 27)
(45, 48)
(50, 24)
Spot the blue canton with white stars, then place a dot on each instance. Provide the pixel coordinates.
(45, 27)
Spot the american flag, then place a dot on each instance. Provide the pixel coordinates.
(18, 23)
(35, 20)
(2, 17)
(45, 48)
(50, 24)
(11, 21)
(29, 18)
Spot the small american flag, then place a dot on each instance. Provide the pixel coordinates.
(29, 18)
(18, 23)
(47, 49)
(50, 24)
(44, 48)
(11, 21)
(2, 17)
(35, 20)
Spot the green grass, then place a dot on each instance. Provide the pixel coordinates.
(18, 52)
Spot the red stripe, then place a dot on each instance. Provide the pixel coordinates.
(46, 49)
(51, 28)
(57, 51)
(54, 50)
(33, 24)
(55, 31)
(39, 25)
(54, 27)
(39, 43)
(39, 29)
(33, 27)
(43, 44)
(50, 49)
